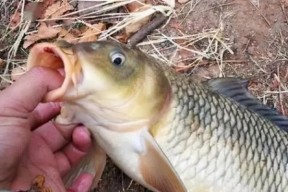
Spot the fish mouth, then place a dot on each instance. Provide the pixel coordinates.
(57, 57)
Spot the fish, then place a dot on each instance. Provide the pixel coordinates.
(163, 129)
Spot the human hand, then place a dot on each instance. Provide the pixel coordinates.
(30, 144)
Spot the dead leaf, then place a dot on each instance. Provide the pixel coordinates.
(182, 67)
(123, 38)
(84, 7)
(15, 19)
(17, 72)
(183, 55)
(67, 36)
(176, 24)
(135, 5)
(44, 32)
(208, 72)
(134, 27)
(36, 10)
(57, 9)
(49, 2)
(92, 33)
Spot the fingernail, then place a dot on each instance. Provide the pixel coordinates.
(82, 183)
(56, 105)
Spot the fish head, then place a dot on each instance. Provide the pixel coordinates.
(111, 72)
(120, 95)
(125, 83)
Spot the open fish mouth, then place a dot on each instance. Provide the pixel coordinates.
(57, 56)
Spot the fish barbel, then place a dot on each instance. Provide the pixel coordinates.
(162, 129)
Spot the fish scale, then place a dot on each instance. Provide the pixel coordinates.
(220, 140)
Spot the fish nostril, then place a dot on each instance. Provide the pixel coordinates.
(86, 47)
(94, 46)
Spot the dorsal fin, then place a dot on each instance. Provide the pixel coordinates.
(237, 89)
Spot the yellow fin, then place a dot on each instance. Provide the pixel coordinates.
(94, 163)
(158, 172)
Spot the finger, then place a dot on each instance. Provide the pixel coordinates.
(82, 139)
(82, 184)
(74, 151)
(26, 93)
(52, 136)
(43, 113)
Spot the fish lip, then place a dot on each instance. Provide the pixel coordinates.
(53, 56)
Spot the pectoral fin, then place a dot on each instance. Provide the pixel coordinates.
(138, 154)
(157, 170)
(93, 163)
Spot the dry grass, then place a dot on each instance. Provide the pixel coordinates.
(212, 43)
(11, 39)
(99, 12)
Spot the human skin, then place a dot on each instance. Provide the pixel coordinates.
(31, 144)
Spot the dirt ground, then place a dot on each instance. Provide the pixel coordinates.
(256, 31)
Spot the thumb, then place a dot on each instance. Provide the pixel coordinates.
(26, 93)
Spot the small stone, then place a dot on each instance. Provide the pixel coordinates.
(251, 50)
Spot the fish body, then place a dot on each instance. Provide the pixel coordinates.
(165, 131)
(215, 144)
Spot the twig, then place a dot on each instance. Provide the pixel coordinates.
(280, 96)
(192, 7)
(260, 12)
(278, 79)
(276, 92)
(13, 50)
(130, 184)
(246, 47)
(283, 10)
(147, 29)
(235, 61)
(257, 64)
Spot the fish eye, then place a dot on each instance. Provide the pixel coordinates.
(117, 58)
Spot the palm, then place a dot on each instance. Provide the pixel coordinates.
(40, 159)
(43, 151)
